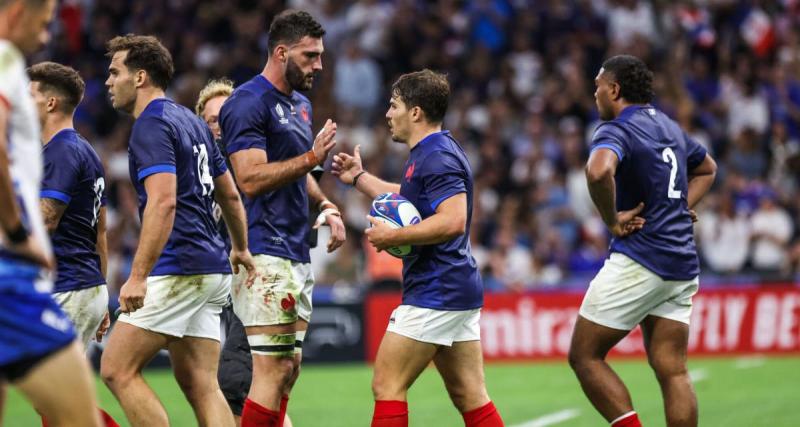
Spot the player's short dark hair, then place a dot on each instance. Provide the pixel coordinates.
(144, 53)
(60, 80)
(290, 26)
(425, 89)
(634, 79)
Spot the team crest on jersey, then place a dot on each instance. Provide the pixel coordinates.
(282, 119)
(410, 171)
(304, 113)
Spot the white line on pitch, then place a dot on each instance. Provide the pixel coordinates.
(550, 419)
(750, 362)
(698, 375)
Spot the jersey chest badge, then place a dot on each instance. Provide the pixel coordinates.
(281, 114)
(304, 113)
(410, 172)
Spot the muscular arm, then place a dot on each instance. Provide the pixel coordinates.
(52, 210)
(370, 185)
(255, 175)
(10, 217)
(157, 222)
(233, 212)
(102, 242)
(449, 222)
(701, 179)
(600, 172)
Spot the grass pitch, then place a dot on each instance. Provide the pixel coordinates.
(732, 392)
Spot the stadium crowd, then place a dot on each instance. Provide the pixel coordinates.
(522, 104)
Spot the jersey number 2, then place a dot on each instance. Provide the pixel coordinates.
(669, 157)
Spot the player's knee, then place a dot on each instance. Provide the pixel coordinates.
(273, 369)
(577, 360)
(465, 398)
(114, 375)
(667, 368)
(386, 388)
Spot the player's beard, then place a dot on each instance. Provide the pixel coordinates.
(296, 78)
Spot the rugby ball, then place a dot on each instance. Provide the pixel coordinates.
(396, 211)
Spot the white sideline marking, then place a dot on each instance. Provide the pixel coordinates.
(698, 375)
(750, 362)
(550, 419)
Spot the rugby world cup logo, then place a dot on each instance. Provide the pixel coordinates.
(281, 115)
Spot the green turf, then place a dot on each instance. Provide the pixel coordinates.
(330, 396)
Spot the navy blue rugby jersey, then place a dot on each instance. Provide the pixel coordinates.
(443, 276)
(73, 175)
(655, 157)
(257, 115)
(169, 138)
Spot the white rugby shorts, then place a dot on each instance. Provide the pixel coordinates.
(438, 327)
(86, 308)
(183, 305)
(624, 292)
(280, 295)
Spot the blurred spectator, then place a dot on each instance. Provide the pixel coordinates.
(357, 83)
(771, 230)
(724, 236)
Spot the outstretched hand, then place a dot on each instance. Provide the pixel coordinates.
(628, 222)
(346, 167)
(324, 141)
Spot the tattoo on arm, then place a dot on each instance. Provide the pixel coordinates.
(51, 211)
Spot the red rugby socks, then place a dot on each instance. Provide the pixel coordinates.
(485, 416)
(390, 413)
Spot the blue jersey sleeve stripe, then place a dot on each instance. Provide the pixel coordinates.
(54, 194)
(164, 168)
(611, 147)
(435, 204)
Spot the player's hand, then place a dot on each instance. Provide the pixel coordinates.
(103, 329)
(334, 220)
(131, 295)
(693, 214)
(33, 251)
(346, 167)
(324, 142)
(245, 259)
(628, 222)
(379, 235)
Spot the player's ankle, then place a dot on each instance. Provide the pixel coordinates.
(628, 419)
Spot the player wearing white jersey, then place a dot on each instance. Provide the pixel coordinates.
(38, 352)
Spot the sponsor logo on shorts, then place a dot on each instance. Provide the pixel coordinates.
(391, 319)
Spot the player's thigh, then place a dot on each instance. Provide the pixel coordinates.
(272, 349)
(666, 342)
(622, 294)
(461, 368)
(274, 298)
(591, 340)
(61, 387)
(86, 308)
(194, 363)
(129, 349)
(399, 362)
(206, 320)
